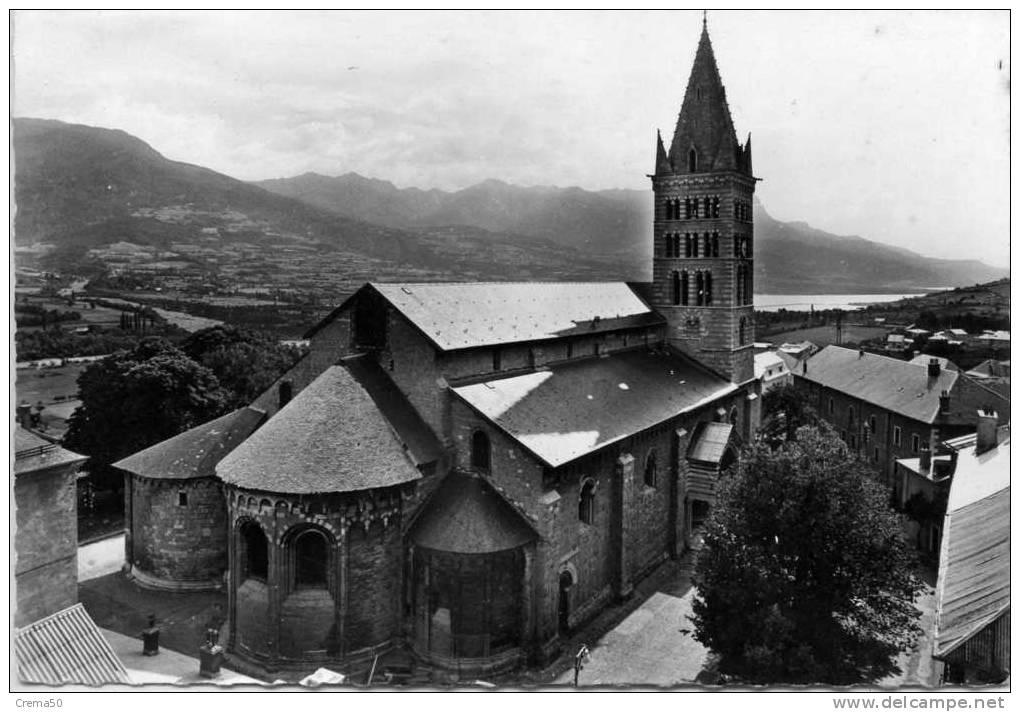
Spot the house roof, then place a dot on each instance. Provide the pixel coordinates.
(466, 515)
(465, 315)
(34, 454)
(973, 585)
(898, 386)
(978, 475)
(925, 359)
(194, 453)
(67, 648)
(567, 411)
(709, 442)
(766, 360)
(332, 437)
(990, 368)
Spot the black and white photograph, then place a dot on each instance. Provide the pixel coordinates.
(498, 350)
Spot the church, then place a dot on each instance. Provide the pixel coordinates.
(470, 471)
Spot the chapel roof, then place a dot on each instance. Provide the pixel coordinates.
(35, 454)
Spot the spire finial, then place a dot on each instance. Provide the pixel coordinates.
(704, 20)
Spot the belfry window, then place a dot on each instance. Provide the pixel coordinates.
(742, 336)
(715, 207)
(688, 250)
(692, 161)
(669, 245)
(684, 288)
(676, 287)
(708, 207)
(739, 283)
(715, 244)
(694, 244)
(699, 283)
(311, 559)
(669, 209)
(481, 451)
(708, 245)
(708, 288)
(688, 211)
(586, 502)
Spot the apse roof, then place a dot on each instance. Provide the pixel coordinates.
(466, 515)
(332, 437)
(195, 452)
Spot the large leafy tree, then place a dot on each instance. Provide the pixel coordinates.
(245, 362)
(784, 410)
(134, 399)
(805, 575)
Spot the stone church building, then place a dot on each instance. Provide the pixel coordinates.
(469, 470)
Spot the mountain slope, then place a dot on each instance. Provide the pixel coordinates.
(80, 187)
(790, 257)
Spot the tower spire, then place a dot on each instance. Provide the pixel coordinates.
(704, 20)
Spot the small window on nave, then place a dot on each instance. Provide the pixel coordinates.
(586, 502)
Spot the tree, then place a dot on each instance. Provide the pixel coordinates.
(134, 399)
(805, 575)
(245, 362)
(784, 410)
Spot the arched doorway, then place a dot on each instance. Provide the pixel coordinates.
(566, 583)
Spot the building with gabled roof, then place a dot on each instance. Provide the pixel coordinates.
(887, 409)
(972, 595)
(473, 471)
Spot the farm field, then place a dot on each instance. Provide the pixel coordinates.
(56, 387)
(822, 336)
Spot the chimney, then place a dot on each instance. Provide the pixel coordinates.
(934, 368)
(925, 464)
(944, 403)
(24, 414)
(805, 366)
(987, 431)
(860, 354)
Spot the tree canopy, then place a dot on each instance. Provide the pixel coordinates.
(134, 399)
(784, 410)
(805, 575)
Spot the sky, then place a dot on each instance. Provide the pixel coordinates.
(889, 125)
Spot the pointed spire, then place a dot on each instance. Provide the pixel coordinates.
(704, 124)
(662, 164)
(704, 21)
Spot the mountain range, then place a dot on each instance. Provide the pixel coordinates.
(79, 187)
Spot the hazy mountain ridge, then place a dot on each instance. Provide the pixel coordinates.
(791, 257)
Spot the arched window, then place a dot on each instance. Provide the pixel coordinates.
(676, 208)
(692, 161)
(715, 244)
(481, 452)
(311, 559)
(669, 245)
(708, 288)
(669, 209)
(685, 288)
(742, 335)
(254, 554)
(708, 207)
(708, 245)
(715, 207)
(739, 284)
(651, 470)
(676, 287)
(586, 502)
(687, 208)
(694, 244)
(676, 244)
(688, 249)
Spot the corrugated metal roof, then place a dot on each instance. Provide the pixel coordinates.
(570, 410)
(973, 584)
(466, 515)
(67, 648)
(889, 383)
(33, 453)
(331, 437)
(194, 453)
(709, 442)
(466, 315)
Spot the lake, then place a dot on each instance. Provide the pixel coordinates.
(804, 302)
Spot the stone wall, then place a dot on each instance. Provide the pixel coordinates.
(179, 532)
(46, 542)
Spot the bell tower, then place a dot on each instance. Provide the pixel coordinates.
(703, 265)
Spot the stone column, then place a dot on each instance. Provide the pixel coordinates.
(274, 582)
(129, 525)
(621, 508)
(341, 598)
(233, 574)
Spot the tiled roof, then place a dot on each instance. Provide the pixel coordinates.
(990, 368)
(67, 648)
(709, 442)
(33, 453)
(570, 410)
(466, 515)
(465, 315)
(973, 585)
(889, 383)
(331, 437)
(194, 453)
